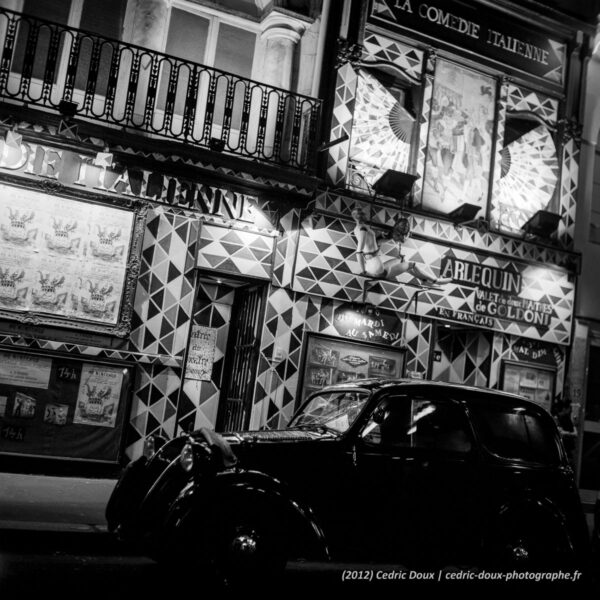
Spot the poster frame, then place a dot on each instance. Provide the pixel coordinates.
(531, 365)
(125, 400)
(122, 327)
(305, 361)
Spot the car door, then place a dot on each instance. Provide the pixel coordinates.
(417, 468)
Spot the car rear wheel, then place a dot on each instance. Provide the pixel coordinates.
(530, 545)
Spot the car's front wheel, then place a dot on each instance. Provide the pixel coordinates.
(248, 545)
(235, 544)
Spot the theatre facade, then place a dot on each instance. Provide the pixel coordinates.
(147, 288)
(460, 118)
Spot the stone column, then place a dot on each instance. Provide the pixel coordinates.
(146, 26)
(279, 37)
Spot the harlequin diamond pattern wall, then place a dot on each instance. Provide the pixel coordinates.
(289, 317)
(465, 357)
(160, 324)
(235, 251)
(199, 400)
(164, 294)
(326, 265)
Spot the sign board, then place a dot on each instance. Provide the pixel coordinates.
(474, 27)
(367, 325)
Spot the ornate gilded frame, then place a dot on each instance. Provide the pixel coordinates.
(139, 208)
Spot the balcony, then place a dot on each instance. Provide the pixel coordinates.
(80, 74)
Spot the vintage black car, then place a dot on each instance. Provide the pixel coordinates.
(406, 472)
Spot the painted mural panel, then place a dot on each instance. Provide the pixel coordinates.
(457, 168)
(382, 128)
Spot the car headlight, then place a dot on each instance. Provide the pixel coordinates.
(186, 458)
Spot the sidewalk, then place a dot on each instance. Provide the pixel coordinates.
(49, 503)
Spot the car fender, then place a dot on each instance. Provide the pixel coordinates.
(198, 501)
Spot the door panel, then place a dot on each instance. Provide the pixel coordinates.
(242, 357)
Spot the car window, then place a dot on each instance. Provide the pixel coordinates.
(334, 410)
(515, 433)
(419, 423)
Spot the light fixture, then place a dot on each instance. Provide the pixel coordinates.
(543, 224)
(326, 145)
(395, 184)
(464, 214)
(216, 144)
(68, 108)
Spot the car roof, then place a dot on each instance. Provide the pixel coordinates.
(474, 394)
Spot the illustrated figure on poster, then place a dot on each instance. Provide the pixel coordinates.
(368, 252)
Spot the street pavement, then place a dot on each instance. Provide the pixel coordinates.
(54, 544)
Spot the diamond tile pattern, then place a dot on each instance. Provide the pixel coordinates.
(522, 99)
(199, 400)
(326, 265)
(164, 294)
(289, 316)
(235, 251)
(341, 123)
(466, 357)
(380, 49)
(446, 232)
(154, 406)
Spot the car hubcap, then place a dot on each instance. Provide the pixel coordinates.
(520, 553)
(244, 545)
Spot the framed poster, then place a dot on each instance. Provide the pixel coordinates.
(532, 381)
(68, 262)
(75, 409)
(459, 154)
(330, 360)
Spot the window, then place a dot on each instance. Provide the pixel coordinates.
(515, 433)
(209, 40)
(419, 423)
(383, 128)
(104, 18)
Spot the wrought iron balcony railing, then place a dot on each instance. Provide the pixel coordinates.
(69, 70)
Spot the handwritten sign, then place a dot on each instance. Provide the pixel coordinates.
(201, 353)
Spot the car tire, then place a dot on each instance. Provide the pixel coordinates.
(234, 545)
(248, 546)
(530, 545)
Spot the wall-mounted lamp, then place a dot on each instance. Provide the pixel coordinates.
(395, 184)
(216, 144)
(464, 214)
(326, 145)
(543, 224)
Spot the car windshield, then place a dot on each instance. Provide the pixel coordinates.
(333, 410)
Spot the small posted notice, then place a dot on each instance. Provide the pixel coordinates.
(201, 353)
